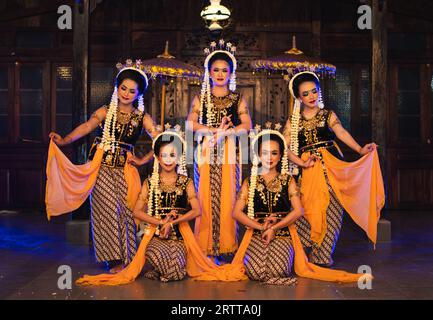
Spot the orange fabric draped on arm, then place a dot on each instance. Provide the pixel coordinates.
(69, 185)
(198, 265)
(358, 186)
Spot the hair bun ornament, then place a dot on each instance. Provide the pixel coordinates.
(292, 80)
(135, 66)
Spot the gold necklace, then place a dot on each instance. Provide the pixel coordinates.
(123, 117)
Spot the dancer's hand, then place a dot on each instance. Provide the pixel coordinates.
(172, 215)
(57, 138)
(370, 147)
(226, 122)
(269, 221)
(165, 231)
(221, 132)
(268, 236)
(167, 218)
(134, 160)
(310, 161)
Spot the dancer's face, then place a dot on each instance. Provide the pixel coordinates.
(127, 91)
(168, 157)
(309, 94)
(220, 73)
(270, 154)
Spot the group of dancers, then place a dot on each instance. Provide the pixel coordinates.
(291, 205)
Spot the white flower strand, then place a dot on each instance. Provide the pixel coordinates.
(108, 136)
(232, 82)
(321, 104)
(181, 169)
(285, 161)
(294, 143)
(252, 188)
(202, 94)
(154, 192)
(140, 103)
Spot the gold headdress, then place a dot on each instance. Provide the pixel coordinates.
(255, 134)
(155, 192)
(294, 120)
(108, 136)
(229, 50)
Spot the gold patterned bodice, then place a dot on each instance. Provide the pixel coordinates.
(128, 129)
(272, 198)
(172, 197)
(316, 129)
(223, 106)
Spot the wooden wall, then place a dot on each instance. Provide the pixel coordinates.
(30, 43)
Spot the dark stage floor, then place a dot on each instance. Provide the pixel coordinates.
(31, 250)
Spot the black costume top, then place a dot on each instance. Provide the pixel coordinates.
(316, 133)
(129, 127)
(224, 106)
(173, 197)
(272, 198)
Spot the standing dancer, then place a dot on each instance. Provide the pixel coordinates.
(331, 184)
(110, 178)
(218, 114)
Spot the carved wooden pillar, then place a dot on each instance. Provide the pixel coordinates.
(80, 68)
(80, 72)
(379, 70)
(379, 77)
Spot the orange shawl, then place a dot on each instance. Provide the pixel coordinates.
(358, 186)
(302, 267)
(203, 225)
(198, 265)
(69, 185)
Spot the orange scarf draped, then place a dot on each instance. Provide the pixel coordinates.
(203, 225)
(128, 274)
(198, 267)
(358, 186)
(69, 185)
(302, 267)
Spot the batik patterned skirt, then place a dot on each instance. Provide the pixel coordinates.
(113, 224)
(168, 259)
(322, 254)
(271, 264)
